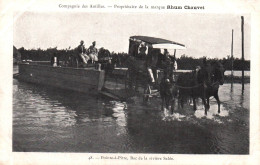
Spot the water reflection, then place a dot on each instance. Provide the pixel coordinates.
(48, 119)
(40, 109)
(119, 114)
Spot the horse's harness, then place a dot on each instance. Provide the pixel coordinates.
(197, 85)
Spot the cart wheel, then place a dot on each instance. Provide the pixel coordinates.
(147, 92)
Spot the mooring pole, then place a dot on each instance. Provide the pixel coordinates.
(232, 60)
(243, 59)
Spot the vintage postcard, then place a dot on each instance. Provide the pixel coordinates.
(112, 82)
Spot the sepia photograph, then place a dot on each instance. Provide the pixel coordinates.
(153, 83)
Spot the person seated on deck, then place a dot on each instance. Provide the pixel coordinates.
(82, 53)
(151, 64)
(93, 52)
(142, 51)
(103, 54)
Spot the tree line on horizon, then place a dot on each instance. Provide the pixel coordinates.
(184, 62)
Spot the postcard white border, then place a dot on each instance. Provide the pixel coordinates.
(6, 46)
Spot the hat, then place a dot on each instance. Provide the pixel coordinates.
(198, 67)
(93, 42)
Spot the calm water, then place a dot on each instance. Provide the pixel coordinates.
(51, 120)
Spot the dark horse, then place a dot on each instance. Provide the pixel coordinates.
(74, 59)
(168, 90)
(202, 83)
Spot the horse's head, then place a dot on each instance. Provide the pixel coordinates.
(203, 74)
(218, 72)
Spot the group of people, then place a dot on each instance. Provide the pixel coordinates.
(155, 60)
(88, 54)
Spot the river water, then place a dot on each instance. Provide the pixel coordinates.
(229, 72)
(52, 120)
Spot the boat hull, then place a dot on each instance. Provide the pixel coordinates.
(87, 80)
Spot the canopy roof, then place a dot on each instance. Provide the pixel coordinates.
(158, 42)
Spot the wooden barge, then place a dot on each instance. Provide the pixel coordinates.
(86, 80)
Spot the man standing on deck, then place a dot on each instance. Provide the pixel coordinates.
(93, 52)
(142, 51)
(170, 59)
(168, 65)
(82, 52)
(151, 62)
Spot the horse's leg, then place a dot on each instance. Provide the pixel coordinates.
(217, 98)
(205, 105)
(173, 104)
(208, 103)
(179, 101)
(204, 100)
(167, 101)
(194, 103)
(77, 62)
(163, 100)
(182, 102)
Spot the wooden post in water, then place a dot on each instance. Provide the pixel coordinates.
(232, 59)
(243, 59)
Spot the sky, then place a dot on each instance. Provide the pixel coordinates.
(203, 34)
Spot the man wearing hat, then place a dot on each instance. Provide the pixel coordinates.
(82, 52)
(142, 51)
(93, 52)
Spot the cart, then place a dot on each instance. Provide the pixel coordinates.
(141, 58)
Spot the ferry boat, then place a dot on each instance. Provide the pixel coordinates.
(92, 80)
